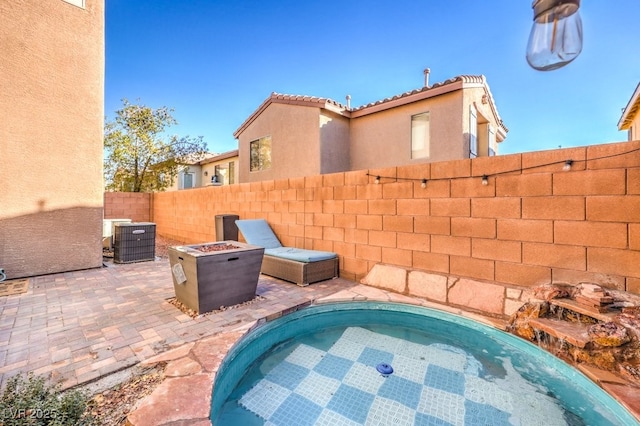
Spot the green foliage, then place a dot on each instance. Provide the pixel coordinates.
(33, 402)
(139, 156)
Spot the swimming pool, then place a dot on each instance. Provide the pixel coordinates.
(318, 366)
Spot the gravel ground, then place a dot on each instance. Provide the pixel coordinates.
(163, 244)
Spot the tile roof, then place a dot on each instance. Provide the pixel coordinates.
(455, 83)
(305, 99)
(219, 157)
(630, 111)
(461, 78)
(302, 100)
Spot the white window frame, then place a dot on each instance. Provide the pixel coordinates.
(420, 135)
(263, 164)
(492, 141)
(473, 132)
(183, 180)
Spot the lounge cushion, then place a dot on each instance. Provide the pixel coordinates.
(258, 232)
(299, 255)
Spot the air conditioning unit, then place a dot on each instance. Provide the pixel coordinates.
(107, 231)
(134, 242)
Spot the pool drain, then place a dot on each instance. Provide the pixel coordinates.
(384, 369)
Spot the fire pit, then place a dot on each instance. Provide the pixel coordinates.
(208, 248)
(212, 275)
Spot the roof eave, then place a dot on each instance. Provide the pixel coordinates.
(307, 101)
(404, 100)
(223, 156)
(630, 110)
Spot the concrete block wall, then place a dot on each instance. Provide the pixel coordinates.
(136, 206)
(533, 223)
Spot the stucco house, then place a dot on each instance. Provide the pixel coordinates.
(630, 119)
(214, 169)
(221, 169)
(51, 135)
(293, 136)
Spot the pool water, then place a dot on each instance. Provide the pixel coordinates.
(320, 369)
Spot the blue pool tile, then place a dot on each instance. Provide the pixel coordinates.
(296, 410)
(444, 379)
(288, 375)
(373, 357)
(351, 403)
(333, 366)
(484, 414)
(422, 419)
(401, 390)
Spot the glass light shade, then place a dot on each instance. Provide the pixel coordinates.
(556, 35)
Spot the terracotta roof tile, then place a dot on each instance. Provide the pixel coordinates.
(219, 157)
(338, 107)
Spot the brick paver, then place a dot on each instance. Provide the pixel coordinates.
(75, 327)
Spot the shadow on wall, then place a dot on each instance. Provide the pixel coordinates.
(53, 241)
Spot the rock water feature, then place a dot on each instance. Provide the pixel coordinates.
(584, 324)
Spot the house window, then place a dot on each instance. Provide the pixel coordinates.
(260, 151)
(218, 175)
(420, 136)
(473, 132)
(492, 141)
(187, 180)
(232, 172)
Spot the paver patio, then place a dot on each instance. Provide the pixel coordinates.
(77, 326)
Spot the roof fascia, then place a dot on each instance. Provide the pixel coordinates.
(436, 91)
(223, 156)
(630, 110)
(305, 101)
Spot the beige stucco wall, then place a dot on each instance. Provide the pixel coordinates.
(211, 167)
(179, 178)
(634, 131)
(334, 143)
(294, 132)
(485, 115)
(383, 139)
(51, 118)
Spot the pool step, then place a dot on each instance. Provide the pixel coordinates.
(573, 333)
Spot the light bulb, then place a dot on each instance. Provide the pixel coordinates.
(485, 180)
(567, 165)
(424, 183)
(377, 180)
(556, 34)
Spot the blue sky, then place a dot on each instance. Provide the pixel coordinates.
(216, 61)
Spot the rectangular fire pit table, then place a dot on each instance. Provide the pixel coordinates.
(210, 275)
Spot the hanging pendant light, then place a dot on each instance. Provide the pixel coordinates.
(556, 35)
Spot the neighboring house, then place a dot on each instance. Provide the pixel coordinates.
(630, 119)
(51, 136)
(220, 170)
(214, 169)
(293, 136)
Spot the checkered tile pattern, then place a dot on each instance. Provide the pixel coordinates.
(431, 385)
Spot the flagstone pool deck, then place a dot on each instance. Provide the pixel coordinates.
(78, 328)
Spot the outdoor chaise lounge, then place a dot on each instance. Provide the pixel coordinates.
(300, 266)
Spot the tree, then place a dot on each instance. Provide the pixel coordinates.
(139, 156)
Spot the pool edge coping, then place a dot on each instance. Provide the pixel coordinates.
(171, 393)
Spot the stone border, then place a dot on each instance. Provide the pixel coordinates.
(191, 368)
